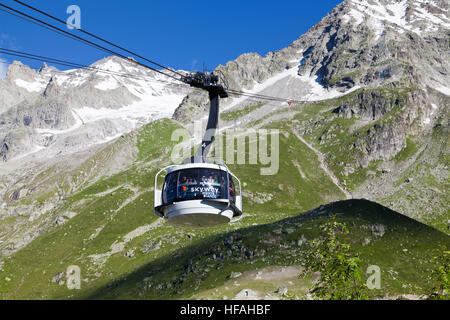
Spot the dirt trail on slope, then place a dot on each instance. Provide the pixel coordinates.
(323, 165)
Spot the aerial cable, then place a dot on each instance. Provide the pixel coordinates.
(81, 66)
(48, 28)
(126, 75)
(32, 58)
(67, 35)
(79, 39)
(97, 37)
(245, 94)
(91, 68)
(263, 96)
(57, 61)
(233, 92)
(90, 42)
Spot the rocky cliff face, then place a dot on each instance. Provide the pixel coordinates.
(375, 42)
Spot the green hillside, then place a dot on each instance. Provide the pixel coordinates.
(400, 246)
(125, 251)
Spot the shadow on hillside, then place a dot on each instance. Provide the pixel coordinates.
(364, 211)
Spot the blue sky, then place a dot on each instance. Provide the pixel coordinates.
(179, 34)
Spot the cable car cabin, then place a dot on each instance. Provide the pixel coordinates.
(198, 195)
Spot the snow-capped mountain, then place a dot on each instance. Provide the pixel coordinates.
(67, 111)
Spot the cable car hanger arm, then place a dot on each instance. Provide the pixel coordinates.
(208, 82)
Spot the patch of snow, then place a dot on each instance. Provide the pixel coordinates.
(399, 12)
(422, 13)
(427, 121)
(258, 87)
(377, 26)
(108, 138)
(357, 16)
(70, 70)
(395, 13)
(434, 106)
(60, 79)
(36, 86)
(110, 83)
(444, 90)
(149, 108)
(110, 65)
(316, 92)
(72, 79)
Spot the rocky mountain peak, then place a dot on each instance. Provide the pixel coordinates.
(45, 69)
(17, 70)
(373, 42)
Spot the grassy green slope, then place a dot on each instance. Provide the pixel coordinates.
(400, 246)
(416, 180)
(124, 251)
(115, 231)
(424, 185)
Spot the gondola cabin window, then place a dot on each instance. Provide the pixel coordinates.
(197, 184)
